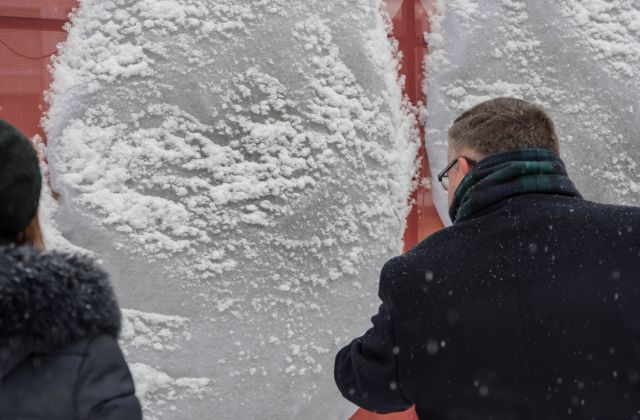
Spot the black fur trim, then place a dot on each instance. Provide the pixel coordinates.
(52, 299)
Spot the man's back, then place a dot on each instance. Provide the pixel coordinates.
(528, 310)
(528, 307)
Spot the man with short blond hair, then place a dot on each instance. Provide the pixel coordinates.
(528, 307)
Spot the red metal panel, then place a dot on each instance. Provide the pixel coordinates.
(410, 21)
(32, 24)
(29, 33)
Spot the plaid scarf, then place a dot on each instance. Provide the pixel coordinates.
(508, 174)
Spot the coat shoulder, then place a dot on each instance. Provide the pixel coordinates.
(52, 299)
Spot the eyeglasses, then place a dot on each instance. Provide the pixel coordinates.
(443, 176)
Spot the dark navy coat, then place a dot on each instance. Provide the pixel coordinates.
(528, 310)
(59, 355)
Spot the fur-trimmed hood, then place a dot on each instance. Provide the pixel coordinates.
(49, 300)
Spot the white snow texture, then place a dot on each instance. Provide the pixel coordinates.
(244, 165)
(580, 59)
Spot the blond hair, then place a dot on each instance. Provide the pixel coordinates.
(31, 235)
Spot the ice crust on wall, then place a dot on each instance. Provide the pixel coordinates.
(242, 167)
(578, 58)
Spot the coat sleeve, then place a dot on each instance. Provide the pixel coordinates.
(104, 387)
(366, 370)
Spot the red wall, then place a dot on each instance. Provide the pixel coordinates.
(410, 21)
(29, 33)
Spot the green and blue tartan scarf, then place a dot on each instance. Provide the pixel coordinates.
(508, 174)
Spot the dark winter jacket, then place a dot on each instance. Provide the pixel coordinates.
(526, 309)
(59, 355)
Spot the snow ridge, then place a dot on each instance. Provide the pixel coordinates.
(245, 164)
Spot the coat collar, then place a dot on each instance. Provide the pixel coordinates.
(51, 300)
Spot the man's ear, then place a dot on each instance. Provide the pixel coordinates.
(464, 166)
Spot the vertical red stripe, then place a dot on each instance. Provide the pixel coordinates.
(409, 26)
(410, 22)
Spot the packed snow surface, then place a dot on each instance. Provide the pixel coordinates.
(244, 168)
(580, 59)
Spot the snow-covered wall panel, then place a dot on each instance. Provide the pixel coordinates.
(580, 59)
(242, 167)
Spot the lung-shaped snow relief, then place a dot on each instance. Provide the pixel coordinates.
(242, 168)
(580, 59)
